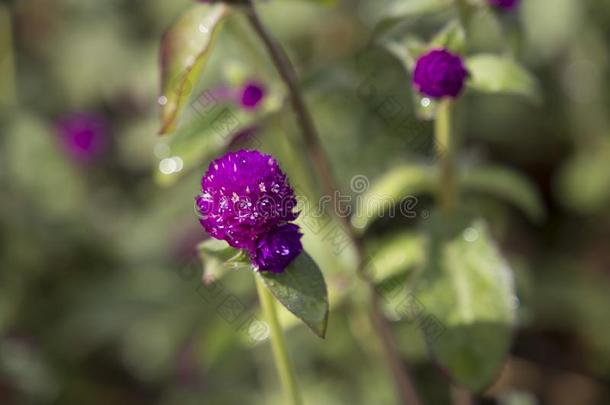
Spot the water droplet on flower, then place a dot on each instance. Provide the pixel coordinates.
(425, 102)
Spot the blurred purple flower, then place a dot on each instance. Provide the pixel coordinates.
(83, 135)
(244, 196)
(248, 96)
(252, 93)
(439, 73)
(504, 4)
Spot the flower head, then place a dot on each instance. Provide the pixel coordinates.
(244, 195)
(83, 135)
(251, 95)
(504, 4)
(439, 73)
(276, 249)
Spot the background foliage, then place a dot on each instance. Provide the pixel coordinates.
(100, 293)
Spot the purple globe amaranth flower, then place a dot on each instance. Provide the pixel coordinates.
(276, 249)
(82, 135)
(504, 4)
(439, 73)
(243, 196)
(252, 93)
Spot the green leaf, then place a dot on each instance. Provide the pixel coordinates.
(200, 139)
(508, 185)
(395, 255)
(393, 260)
(496, 74)
(451, 37)
(185, 48)
(406, 50)
(302, 290)
(217, 257)
(583, 183)
(377, 11)
(390, 189)
(466, 289)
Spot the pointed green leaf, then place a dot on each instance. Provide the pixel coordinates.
(508, 185)
(302, 290)
(390, 189)
(468, 288)
(185, 49)
(497, 74)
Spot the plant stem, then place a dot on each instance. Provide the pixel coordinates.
(7, 59)
(404, 385)
(444, 144)
(278, 346)
(447, 193)
(287, 73)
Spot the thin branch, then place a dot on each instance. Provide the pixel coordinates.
(403, 382)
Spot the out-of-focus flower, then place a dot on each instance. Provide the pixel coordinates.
(252, 93)
(83, 135)
(439, 73)
(504, 4)
(245, 196)
(248, 96)
(276, 249)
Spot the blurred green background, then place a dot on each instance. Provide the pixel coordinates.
(100, 297)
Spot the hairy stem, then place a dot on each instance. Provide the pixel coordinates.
(278, 346)
(404, 385)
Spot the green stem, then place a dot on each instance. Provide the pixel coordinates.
(278, 345)
(7, 60)
(445, 145)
